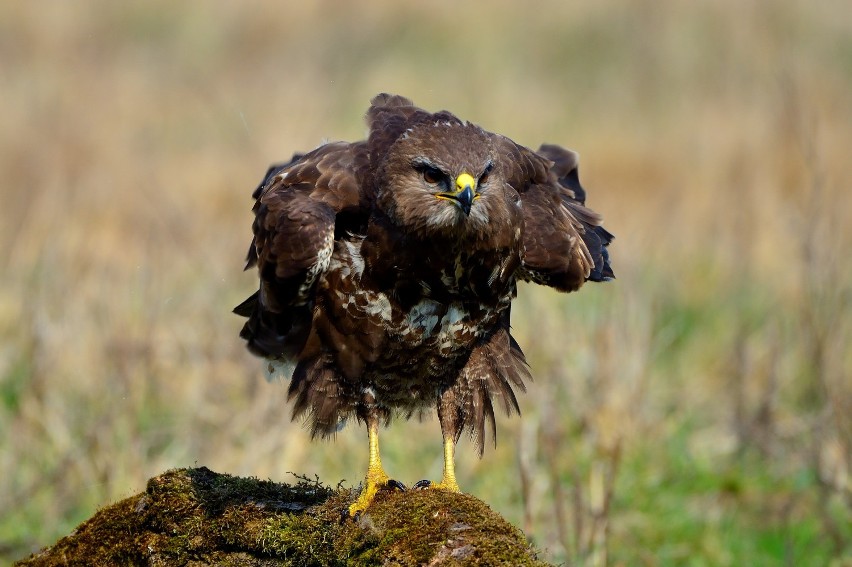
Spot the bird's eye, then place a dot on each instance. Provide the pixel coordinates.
(432, 175)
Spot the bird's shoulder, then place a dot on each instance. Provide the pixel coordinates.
(302, 205)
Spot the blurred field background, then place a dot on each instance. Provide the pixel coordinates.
(696, 411)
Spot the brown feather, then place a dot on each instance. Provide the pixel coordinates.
(389, 297)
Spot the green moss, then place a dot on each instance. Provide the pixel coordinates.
(192, 516)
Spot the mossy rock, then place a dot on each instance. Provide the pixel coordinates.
(192, 517)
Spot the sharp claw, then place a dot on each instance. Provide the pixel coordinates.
(397, 485)
(422, 484)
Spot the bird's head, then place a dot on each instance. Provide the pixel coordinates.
(445, 178)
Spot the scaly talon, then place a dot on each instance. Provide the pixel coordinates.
(427, 484)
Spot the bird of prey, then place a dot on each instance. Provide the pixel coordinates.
(388, 267)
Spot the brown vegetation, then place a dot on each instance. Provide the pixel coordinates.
(697, 407)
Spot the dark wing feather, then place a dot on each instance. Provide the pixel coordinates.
(596, 237)
(565, 168)
(300, 207)
(564, 244)
(554, 252)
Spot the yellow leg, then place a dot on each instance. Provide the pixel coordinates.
(376, 478)
(448, 482)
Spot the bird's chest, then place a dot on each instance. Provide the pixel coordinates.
(439, 329)
(415, 326)
(415, 329)
(442, 309)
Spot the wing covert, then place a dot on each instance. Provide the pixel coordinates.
(564, 244)
(300, 208)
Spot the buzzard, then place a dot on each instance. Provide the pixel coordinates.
(388, 267)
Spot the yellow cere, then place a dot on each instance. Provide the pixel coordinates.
(465, 180)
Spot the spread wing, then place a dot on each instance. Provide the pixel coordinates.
(300, 207)
(564, 244)
(595, 237)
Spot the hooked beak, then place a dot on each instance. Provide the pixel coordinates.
(464, 194)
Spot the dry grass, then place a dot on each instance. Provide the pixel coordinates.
(695, 411)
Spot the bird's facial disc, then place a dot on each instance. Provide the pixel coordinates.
(465, 193)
